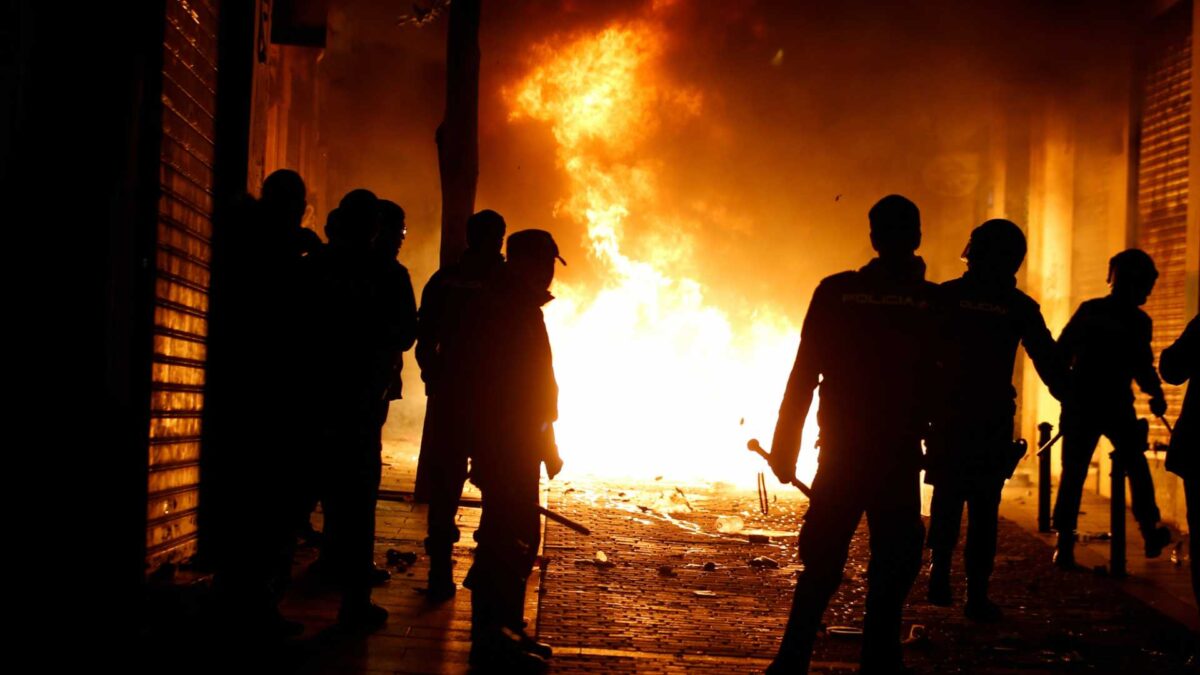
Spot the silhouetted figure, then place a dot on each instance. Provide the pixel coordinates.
(257, 299)
(442, 467)
(1179, 363)
(357, 324)
(392, 232)
(866, 340)
(1107, 343)
(508, 376)
(971, 452)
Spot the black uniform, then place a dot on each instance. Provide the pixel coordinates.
(513, 398)
(866, 339)
(1180, 363)
(1107, 343)
(257, 298)
(969, 453)
(359, 323)
(402, 324)
(448, 298)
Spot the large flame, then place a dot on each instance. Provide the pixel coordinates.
(654, 380)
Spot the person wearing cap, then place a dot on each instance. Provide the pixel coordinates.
(1107, 344)
(442, 464)
(511, 418)
(865, 341)
(970, 454)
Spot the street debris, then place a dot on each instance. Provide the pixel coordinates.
(918, 637)
(730, 524)
(401, 560)
(763, 562)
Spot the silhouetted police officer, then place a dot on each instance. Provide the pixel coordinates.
(971, 452)
(1179, 364)
(252, 414)
(1107, 343)
(392, 232)
(516, 404)
(442, 467)
(866, 340)
(358, 324)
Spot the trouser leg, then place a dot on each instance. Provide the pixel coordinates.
(1129, 442)
(508, 538)
(980, 554)
(824, 543)
(1191, 492)
(1078, 444)
(354, 469)
(894, 518)
(945, 520)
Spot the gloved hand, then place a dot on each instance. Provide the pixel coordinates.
(784, 470)
(1158, 406)
(553, 466)
(553, 462)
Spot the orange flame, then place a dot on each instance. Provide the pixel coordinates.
(654, 380)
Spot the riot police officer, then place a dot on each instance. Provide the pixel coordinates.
(442, 466)
(506, 378)
(1107, 343)
(865, 340)
(971, 452)
(1178, 365)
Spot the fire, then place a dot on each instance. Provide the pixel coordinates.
(654, 379)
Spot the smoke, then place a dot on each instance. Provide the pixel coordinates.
(809, 112)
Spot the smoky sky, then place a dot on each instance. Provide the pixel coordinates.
(810, 112)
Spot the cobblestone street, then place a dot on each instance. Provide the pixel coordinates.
(683, 577)
(676, 595)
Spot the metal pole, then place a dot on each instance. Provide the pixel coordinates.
(1116, 566)
(1044, 430)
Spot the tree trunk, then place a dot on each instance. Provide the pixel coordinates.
(457, 137)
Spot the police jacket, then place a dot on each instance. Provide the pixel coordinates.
(510, 394)
(445, 301)
(868, 340)
(401, 305)
(358, 324)
(1107, 345)
(1178, 365)
(982, 323)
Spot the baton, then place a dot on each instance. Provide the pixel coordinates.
(402, 496)
(1163, 419)
(754, 446)
(1050, 443)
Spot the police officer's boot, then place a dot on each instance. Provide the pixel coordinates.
(441, 586)
(495, 648)
(939, 579)
(514, 620)
(1156, 538)
(979, 607)
(1064, 550)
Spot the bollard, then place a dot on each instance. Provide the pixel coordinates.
(1116, 567)
(1043, 516)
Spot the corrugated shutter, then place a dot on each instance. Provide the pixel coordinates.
(185, 208)
(1162, 179)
